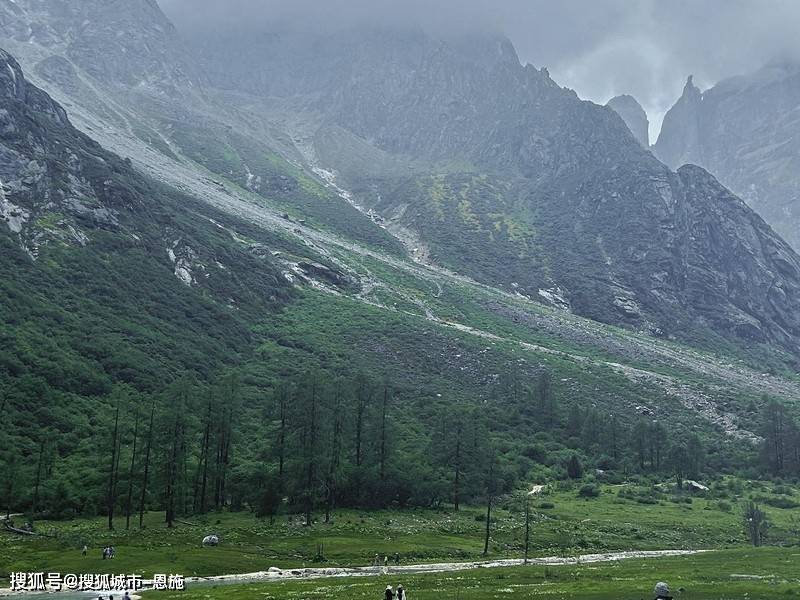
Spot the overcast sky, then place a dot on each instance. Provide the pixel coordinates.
(600, 48)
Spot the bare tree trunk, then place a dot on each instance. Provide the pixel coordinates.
(489, 499)
(38, 478)
(527, 525)
(361, 408)
(146, 465)
(457, 475)
(488, 525)
(330, 484)
(311, 449)
(172, 472)
(282, 432)
(112, 476)
(383, 431)
(204, 459)
(130, 473)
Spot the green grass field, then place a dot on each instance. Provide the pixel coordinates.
(729, 574)
(563, 525)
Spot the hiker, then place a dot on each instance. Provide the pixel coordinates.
(397, 558)
(401, 593)
(127, 596)
(389, 595)
(105, 552)
(375, 561)
(662, 591)
(385, 561)
(85, 550)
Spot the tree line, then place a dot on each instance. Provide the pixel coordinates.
(315, 443)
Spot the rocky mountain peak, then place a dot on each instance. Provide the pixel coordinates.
(634, 115)
(744, 129)
(679, 140)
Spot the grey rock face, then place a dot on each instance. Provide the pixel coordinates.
(634, 116)
(745, 130)
(127, 42)
(59, 189)
(548, 192)
(510, 178)
(679, 142)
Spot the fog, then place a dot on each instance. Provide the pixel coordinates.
(600, 49)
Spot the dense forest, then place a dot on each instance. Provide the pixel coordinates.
(317, 442)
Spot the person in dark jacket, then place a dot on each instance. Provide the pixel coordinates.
(389, 595)
(662, 591)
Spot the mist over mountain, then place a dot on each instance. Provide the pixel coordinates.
(745, 130)
(644, 48)
(634, 116)
(367, 256)
(479, 162)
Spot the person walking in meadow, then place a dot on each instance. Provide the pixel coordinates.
(389, 594)
(401, 593)
(397, 558)
(376, 561)
(385, 561)
(85, 550)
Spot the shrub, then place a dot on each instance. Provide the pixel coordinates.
(589, 491)
(574, 467)
(777, 502)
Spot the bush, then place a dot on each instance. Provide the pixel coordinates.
(545, 505)
(779, 502)
(589, 491)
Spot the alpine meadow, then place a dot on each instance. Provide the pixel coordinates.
(350, 300)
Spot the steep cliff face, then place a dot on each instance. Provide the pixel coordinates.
(61, 192)
(746, 131)
(634, 116)
(127, 42)
(679, 141)
(516, 181)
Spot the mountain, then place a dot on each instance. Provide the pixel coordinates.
(137, 268)
(634, 116)
(411, 225)
(505, 176)
(745, 131)
(446, 149)
(117, 42)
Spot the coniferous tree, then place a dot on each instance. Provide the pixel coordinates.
(146, 473)
(112, 471)
(129, 501)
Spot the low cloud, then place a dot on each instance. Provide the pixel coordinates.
(645, 48)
